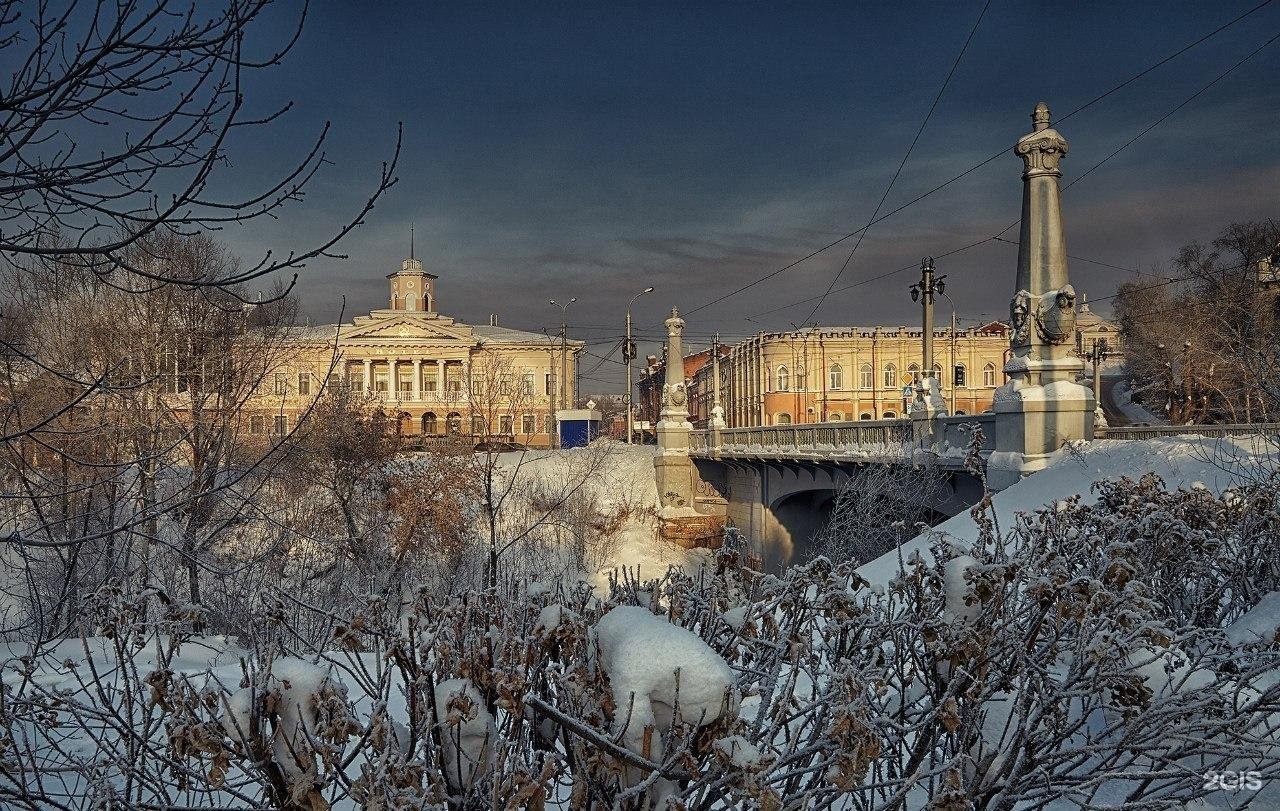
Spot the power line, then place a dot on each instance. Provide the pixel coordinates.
(983, 162)
(901, 164)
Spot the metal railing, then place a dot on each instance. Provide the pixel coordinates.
(1152, 431)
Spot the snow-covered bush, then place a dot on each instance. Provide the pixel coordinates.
(1091, 655)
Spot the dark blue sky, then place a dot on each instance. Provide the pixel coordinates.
(591, 150)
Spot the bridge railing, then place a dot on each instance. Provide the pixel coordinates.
(1152, 431)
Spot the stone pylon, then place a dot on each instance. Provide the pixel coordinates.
(1042, 406)
(672, 464)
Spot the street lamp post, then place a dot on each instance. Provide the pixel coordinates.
(564, 358)
(628, 355)
(923, 292)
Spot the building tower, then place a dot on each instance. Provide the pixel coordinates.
(412, 288)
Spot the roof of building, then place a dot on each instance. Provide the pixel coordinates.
(506, 335)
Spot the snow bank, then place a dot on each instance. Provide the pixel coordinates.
(1179, 461)
(1259, 624)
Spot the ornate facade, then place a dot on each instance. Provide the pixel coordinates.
(442, 376)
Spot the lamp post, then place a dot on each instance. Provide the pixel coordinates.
(628, 355)
(923, 291)
(564, 357)
(940, 287)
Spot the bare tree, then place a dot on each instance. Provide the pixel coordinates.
(876, 508)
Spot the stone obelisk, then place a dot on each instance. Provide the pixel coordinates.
(673, 466)
(1042, 407)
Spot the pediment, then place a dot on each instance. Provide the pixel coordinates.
(406, 328)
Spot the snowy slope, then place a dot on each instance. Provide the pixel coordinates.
(1180, 461)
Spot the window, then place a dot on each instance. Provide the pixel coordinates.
(357, 383)
(800, 378)
(410, 303)
(937, 373)
(526, 383)
(960, 413)
(913, 372)
(281, 425)
(382, 381)
(528, 424)
(550, 384)
(784, 379)
(866, 376)
(504, 425)
(835, 416)
(429, 422)
(864, 416)
(282, 383)
(256, 424)
(890, 415)
(304, 382)
(504, 385)
(453, 377)
(989, 375)
(890, 376)
(782, 419)
(454, 423)
(959, 377)
(335, 380)
(405, 382)
(477, 425)
(835, 377)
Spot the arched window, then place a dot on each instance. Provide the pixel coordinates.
(866, 377)
(989, 375)
(890, 415)
(890, 376)
(913, 374)
(800, 378)
(835, 377)
(864, 416)
(782, 419)
(410, 302)
(960, 377)
(429, 422)
(960, 413)
(937, 373)
(784, 379)
(835, 416)
(454, 423)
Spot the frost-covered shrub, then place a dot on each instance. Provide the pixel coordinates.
(1090, 655)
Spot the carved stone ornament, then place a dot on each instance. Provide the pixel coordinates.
(1042, 149)
(1056, 315)
(675, 395)
(1019, 313)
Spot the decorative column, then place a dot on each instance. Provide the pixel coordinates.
(1042, 407)
(368, 375)
(417, 380)
(393, 377)
(440, 378)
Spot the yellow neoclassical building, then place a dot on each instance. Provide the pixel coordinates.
(442, 376)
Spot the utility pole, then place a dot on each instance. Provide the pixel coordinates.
(564, 359)
(715, 370)
(923, 291)
(628, 355)
(1097, 354)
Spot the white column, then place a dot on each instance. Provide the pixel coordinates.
(393, 377)
(440, 378)
(417, 379)
(368, 375)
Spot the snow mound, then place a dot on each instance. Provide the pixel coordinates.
(466, 730)
(1259, 624)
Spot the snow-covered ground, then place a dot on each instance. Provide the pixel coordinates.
(624, 481)
(1123, 399)
(1181, 461)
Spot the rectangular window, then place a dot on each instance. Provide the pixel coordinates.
(304, 382)
(959, 379)
(335, 380)
(526, 383)
(528, 425)
(406, 381)
(382, 381)
(429, 380)
(256, 424)
(357, 383)
(504, 424)
(281, 425)
(282, 384)
(550, 385)
(453, 377)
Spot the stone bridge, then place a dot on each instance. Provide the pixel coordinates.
(779, 483)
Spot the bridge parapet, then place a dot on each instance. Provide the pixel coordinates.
(865, 440)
